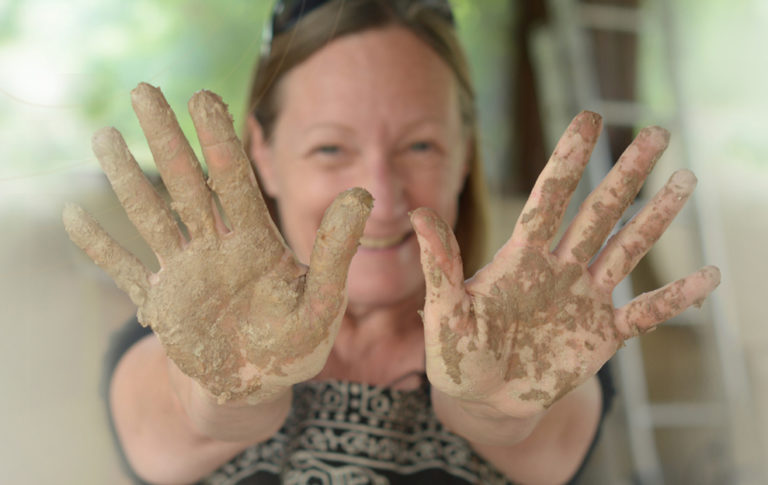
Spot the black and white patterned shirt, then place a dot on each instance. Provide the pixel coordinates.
(354, 434)
(349, 433)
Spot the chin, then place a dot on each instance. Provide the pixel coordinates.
(385, 279)
(382, 293)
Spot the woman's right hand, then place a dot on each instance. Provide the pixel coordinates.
(232, 306)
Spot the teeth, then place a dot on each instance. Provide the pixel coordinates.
(380, 242)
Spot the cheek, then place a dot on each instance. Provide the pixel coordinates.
(439, 191)
(300, 206)
(295, 226)
(304, 197)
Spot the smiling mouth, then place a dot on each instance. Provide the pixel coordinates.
(383, 242)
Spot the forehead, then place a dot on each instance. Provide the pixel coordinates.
(379, 72)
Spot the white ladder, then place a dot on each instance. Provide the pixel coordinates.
(562, 52)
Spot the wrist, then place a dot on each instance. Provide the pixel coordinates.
(482, 423)
(240, 420)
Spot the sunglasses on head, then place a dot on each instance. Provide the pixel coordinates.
(287, 13)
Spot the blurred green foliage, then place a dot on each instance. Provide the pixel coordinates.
(74, 63)
(718, 60)
(66, 69)
(182, 46)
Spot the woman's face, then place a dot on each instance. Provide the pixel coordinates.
(378, 110)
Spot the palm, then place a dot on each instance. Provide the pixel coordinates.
(542, 326)
(232, 306)
(537, 322)
(226, 338)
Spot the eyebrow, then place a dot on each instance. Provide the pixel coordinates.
(322, 125)
(335, 125)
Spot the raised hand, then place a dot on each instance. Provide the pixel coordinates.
(537, 322)
(232, 306)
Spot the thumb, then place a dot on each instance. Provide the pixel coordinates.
(440, 258)
(335, 244)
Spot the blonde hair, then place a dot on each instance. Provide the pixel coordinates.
(343, 17)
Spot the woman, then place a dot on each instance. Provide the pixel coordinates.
(302, 359)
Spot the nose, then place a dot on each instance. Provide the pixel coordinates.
(387, 186)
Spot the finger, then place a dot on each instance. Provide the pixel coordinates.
(123, 267)
(446, 296)
(541, 216)
(624, 250)
(605, 205)
(440, 257)
(231, 175)
(335, 244)
(650, 309)
(175, 160)
(144, 206)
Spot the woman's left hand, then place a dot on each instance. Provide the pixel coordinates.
(536, 322)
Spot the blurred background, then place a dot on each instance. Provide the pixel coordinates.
(693, 395)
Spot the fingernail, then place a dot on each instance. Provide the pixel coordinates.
(684, 180)
(587, 124)
(657, 132)
(593, 117)
(713, 272)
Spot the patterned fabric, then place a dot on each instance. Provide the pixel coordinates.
(395, 436)
(356, 434)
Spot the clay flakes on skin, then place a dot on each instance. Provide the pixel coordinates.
(538, 324)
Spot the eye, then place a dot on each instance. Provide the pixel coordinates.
(331, 155)
(421, 146)
(328, 149)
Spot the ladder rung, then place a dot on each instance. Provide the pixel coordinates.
(684, 320)
(609, 17)
(623, 113)
(686, 415)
